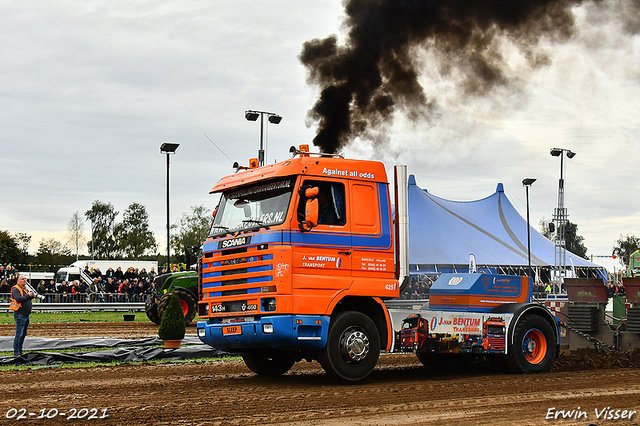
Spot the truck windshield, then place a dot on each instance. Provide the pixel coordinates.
(253, 207)
(409, 323)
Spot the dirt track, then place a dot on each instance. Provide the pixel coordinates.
(399, 391)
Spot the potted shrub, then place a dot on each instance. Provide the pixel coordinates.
(172, 327)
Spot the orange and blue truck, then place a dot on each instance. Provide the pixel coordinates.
(302, 255)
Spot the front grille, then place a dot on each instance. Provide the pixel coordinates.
(239, 272)
(234, 272)
(496, 343)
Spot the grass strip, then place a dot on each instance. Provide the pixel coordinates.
(76, 317)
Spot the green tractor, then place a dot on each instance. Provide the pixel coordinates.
(184, 284)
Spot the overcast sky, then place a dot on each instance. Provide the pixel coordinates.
(91, 89)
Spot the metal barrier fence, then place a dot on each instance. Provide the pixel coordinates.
(83, 302)
(81, 307)
(85, 298)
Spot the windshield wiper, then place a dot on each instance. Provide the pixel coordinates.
(224, 228)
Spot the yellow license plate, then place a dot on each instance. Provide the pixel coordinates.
(231, 329)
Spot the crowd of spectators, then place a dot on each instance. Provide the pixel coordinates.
(8, 278)
(113, 286)
(615, 290)
(417, 288)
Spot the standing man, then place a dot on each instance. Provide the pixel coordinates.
(21, 307)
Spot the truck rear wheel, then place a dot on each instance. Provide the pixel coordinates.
(353, 347)
(268, 361)
(533, 348)
(187, 302)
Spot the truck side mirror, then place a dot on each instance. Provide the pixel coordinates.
(311, 209)
(311, 213)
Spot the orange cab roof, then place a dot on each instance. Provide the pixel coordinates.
(372, 171)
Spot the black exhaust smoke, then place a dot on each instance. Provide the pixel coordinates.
(376, 72)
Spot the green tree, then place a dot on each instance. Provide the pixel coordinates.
(75, 229)
(9, 250)
(544, 229)
(23, 240)
(133, 233)
(53, 252)
(190, 231)
(625, 246)
(103, 223)
(573, 241)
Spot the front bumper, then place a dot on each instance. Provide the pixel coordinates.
(289, 332)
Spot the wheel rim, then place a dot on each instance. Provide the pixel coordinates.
(354, 345)
(534, 346)
(185, 307)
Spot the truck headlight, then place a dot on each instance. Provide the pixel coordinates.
(267, 328)
(269, 304)
(201, 332)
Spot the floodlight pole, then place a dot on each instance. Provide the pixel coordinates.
(168, 221)
(168, 148)
(527, 182)
(560, 217)
(274, 118)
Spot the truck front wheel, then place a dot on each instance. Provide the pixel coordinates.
(268, 361)
(353, 347)
(533, 348)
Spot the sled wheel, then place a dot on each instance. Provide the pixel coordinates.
(353, 347)
(187, 302)
(151, 309)
(268, 361)
(533, 347)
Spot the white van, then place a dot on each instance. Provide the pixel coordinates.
(35, 277)
(72, 272)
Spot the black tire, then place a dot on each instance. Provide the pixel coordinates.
(533, 348)
(268, 361)
(187, 301)
(425, 359)
(353, 347)
(151, 308)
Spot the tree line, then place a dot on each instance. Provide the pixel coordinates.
(623, 248)
(132, 238)
(129, 238)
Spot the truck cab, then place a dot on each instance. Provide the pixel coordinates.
(297, 264)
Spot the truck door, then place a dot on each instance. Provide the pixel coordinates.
(322, 264)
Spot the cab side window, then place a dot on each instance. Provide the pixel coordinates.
(331, 202)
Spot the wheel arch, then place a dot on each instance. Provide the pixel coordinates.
(372, 307)
(520, 310)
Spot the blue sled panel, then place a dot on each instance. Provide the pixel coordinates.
(478, 292)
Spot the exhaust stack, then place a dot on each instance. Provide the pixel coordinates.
(401, 220)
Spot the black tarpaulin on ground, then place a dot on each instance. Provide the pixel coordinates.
(43, 344)
(120, 355)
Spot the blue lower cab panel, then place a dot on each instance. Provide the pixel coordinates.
(290, 332)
